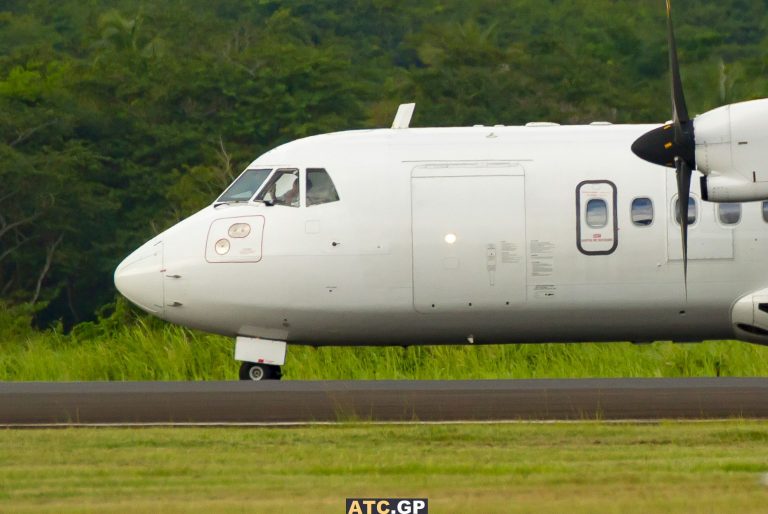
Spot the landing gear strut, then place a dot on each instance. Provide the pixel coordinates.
(254, 371)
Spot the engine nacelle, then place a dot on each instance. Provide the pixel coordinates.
(732, 152)
(732, 188)
(750, 318)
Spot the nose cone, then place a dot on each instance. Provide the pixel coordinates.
(140, 278)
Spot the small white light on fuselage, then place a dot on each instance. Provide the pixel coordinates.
(450, 238)
(239, 230)
(222, 246)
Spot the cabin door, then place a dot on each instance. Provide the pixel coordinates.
(468, 236)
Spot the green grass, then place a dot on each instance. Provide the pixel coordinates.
(143, 350)
(574, 467)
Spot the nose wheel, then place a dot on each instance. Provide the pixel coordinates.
(256, 371)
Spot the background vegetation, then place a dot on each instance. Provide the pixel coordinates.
(119, 117)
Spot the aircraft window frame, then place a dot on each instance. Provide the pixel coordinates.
(633, 210)
(589, 214)
(270, 188)
(331, 194)
(240, 181)
(765, 212)
(613, 220)
(696, 216)
(720, 213)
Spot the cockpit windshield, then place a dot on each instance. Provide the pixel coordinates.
(245, 186)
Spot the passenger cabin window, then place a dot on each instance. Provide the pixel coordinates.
(729, 213)
(642, 212)
(597, 213)
(245, 186)
(691, 211)
(320, 188)
(765, 211)
(282, 188)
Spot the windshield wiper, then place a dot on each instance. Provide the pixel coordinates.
(227, 202)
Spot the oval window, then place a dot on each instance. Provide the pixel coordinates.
(597, 213)
(642, 212)
(729, 213)
(691, 211)
(765, 211)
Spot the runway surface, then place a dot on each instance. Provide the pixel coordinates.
(85, 403)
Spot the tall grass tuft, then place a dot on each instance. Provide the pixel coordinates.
(134, 352)
(125, 345)
(713, 358)
(148, 351)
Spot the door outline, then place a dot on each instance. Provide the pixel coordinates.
(500, 255)
(614, 220)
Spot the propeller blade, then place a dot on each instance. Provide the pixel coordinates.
(684, 173)
(662, 145)
(678, 97)
(674, 145)
(680, 110)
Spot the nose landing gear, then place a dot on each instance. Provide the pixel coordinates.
(254, 371)
(261, 358)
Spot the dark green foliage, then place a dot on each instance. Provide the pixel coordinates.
(119, 117)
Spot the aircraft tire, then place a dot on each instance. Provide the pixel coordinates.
(255, 372)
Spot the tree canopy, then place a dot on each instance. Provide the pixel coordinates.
(119, 117)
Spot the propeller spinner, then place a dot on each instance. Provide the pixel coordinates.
(673, 145)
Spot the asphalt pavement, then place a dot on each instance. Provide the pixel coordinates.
(88, 403)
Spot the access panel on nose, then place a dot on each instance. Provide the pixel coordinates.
(236, 239)
(468, 241)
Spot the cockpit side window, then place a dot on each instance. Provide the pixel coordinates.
(320, 188)
(245, 186)
(282, 188)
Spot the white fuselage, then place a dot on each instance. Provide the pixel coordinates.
(456, 234)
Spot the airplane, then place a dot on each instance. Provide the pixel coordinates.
(476, 235)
